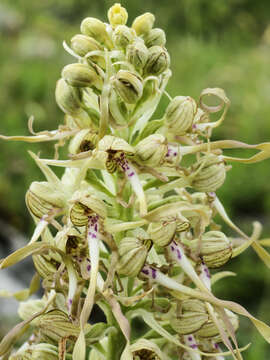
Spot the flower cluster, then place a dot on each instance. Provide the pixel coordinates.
(130, 226)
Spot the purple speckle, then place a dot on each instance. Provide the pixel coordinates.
(145, 271)
(194, 126)
(207, 273)
(80, 260)
(88, 267)
(93, 236)
(131, 174)
(95, 227)
(179, 256)
(69, 302)
(190, 338)
(174, 154)
(216, 346)
(154, 273)
(172, 248)
(193, 346)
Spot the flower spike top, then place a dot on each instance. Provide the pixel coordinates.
(130, 228)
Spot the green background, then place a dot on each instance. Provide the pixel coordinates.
(212, 44)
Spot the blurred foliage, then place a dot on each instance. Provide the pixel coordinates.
(212, 44)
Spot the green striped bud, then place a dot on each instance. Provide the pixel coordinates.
(132, 255)
(215, 249)
(180, 114)
(42, 197)
(143, 23)
(208, 174)
(42, 351)
(97, 30)
(68, 98)
(137, 54)
(81, 75)
(155, 37)
(192, 319)
(45, 265)
(122, 36)
(151, 151)
(55, 325)
(162, 233)
(28, 308)
(128, 85)
(158, 61)
(83, 44)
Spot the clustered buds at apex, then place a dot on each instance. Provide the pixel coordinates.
(135, 228)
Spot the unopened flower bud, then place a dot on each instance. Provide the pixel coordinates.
(209, 173)
(162, 233)
(158, 61)
(216, 249)
(128, 85)
(86, 205)
(83, 44)
(42, 197)
(81, 75)
(145, 349)
(28, 308)
(151, 151)
(97, 30)
(68, 98)
(122, 36)
(193, 317)
(210, 330)
(45, 265)
(179, 114)
(155, 37)
(117, 15)
(42, 351)
(137, 54)
(84, 140)
(143, 23)
(132, 252)
(55, 324)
